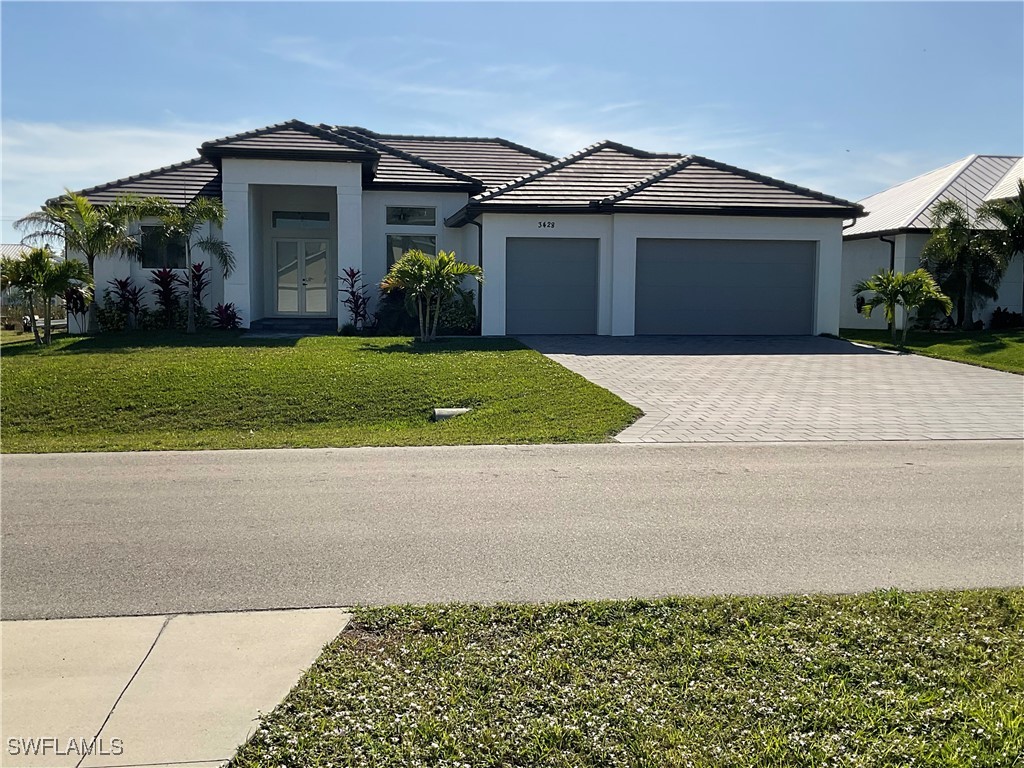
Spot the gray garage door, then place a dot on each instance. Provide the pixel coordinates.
(759, 287)
(550, 285)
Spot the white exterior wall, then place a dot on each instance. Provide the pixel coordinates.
(618, 234)
(242, 220)
(375, 230)
(861, 260)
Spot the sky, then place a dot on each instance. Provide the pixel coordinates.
(845, 98)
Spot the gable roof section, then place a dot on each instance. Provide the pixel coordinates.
(179, 184)
(906, 207)
(609, 177)
(292, 140)
(1007, 186)
(490, 161)
(13, 250)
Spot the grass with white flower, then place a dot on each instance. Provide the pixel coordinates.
(884, 679)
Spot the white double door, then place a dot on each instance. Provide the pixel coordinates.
(301, 272)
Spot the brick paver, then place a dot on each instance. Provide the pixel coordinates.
(790, 388)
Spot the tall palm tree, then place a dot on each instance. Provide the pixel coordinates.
(1007, 215)
(428, 283)
(961, 257)
(182, 225)
(39, 274)
(898, 289)
(91, 230)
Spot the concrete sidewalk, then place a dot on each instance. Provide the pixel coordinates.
(147, 690)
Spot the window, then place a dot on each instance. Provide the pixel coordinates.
(411, 217)
(300, 220)
(399, 244)
(159, 252)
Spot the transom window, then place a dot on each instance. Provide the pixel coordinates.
(399, 244)
(411, 217)
(159, 252)
(300, 219)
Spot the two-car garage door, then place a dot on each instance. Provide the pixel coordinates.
(763, 287)
(683, 286)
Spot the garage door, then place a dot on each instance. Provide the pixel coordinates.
(550, 285)
(762, 287)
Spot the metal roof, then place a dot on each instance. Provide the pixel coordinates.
(13, 250)
(178, 184)
(1007, 186)
(907, 206)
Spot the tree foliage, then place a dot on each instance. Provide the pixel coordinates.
(40, 275)
(900, 289)
(428, 282)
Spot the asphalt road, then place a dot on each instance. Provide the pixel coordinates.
(118, 534)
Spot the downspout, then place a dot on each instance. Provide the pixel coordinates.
(892, 252)
(480, 263)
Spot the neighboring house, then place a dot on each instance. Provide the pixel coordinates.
(7, 312)
(610, 240)
(898, 224)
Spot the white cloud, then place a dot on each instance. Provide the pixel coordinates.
(41, 159)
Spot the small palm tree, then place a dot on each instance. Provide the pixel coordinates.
(428, 283)
(79, 226)
(960, 255)
(898, 289)
(182, 225)
(40, 275)
(1008, 216)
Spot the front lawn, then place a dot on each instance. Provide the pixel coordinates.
(1002, 350)
(886, 679)
(221, 390)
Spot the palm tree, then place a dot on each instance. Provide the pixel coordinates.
(182, 225)
(428, 283)
(961, 257)
(1008, 215)
(92, 230)
(38, 273)
(898, 289)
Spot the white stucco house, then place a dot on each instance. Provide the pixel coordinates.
(897, 224)
(610, 240)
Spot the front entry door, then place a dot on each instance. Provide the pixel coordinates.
(301, 269)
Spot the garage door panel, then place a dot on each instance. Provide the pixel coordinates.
(724, 287)
(551, 285)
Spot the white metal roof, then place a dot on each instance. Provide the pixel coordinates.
(907, 206)
(13, 249)
(1007, 186)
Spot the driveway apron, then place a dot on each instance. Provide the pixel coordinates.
(790, 388)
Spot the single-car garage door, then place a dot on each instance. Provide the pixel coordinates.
(550, 285)
(763, 287)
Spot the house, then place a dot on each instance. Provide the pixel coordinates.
(610, 240)
(898, 223)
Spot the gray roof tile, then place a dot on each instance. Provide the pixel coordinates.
(290, 139)
(178, 183)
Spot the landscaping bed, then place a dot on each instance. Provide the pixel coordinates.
(884, 679)
(147, 391)
(1002, 350)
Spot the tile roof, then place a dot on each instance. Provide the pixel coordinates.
(490, 161)
(608, 176)
(178, 183)
(293, 139)
(1007, 186)
(907, 206)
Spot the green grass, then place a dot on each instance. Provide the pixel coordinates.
(220, 390)
(885, 679)
(1002, 350)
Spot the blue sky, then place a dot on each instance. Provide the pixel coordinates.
(845, 98)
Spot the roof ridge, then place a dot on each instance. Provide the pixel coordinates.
(964, 164)
(300, 125)
(144, 174)
(416, 159)
(542, 171)
(647, 181)
(496, 139)
(755, 176)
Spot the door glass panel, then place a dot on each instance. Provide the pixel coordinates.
(315, 278)
(286, 263)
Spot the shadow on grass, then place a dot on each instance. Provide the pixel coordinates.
(120, 342)
(447, 346)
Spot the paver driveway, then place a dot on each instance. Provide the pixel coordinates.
(790, 388)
